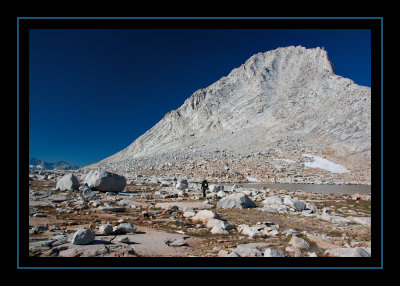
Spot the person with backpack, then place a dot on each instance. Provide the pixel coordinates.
(204, 187)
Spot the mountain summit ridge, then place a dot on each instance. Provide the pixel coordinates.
(289, 100)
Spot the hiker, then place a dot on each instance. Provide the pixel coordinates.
(204, 187)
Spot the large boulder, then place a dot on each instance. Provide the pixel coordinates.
(68, 182)
(204, 216)
(276, 200)
(236, 201)
(269, 252)
(123, 228)
(105, 181)
(83, 236)
(295, 203)
(218, 230)
(244, 251)
(212, 223)
(299, 243)
(347, 252)
(106, 228)
(252, 231)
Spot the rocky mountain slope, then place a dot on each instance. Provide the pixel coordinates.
(282, 116)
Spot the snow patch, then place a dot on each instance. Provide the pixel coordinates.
(252, 180)
(36, 166)
(324, 164)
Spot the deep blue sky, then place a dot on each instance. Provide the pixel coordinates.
(93, 92)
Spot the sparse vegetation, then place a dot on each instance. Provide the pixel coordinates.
(147, 216)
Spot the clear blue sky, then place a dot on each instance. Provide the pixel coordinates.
(93, 92)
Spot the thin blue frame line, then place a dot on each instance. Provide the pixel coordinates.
(18, 18)
(150, 18)
(17, 142)
(382, 142)
(200, 268)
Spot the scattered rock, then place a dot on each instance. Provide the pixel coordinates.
(212, 223)
(219, 230)
(125, 239)
(176, 242)
(88, 192)
(347, 252)
(299, 243)
(269, 252)
(68, 182)
(276, 200)
(294, 203)
(83, 236)
(124, 228)
(247, 251)
(204, 216)
(106, 228)
(252, 231)
(189, 213)
(239, 201)
(105, 181)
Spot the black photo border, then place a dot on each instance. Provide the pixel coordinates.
(24, 24)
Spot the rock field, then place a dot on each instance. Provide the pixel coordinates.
(167, 217)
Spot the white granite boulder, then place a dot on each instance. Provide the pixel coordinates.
(347, 252)
(124, 228)
(204, 216)
(276, 200)
(269, 252)
(252, 231)
(236, 201)
(106, 228)
(105, 181)
(83, 236)
(219, 230)
(299, 243)
(212, 223)
(294, 203)
(68, 182)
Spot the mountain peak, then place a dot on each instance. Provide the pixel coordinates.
(289, 98)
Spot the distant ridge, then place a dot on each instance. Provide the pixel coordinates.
(38, 164)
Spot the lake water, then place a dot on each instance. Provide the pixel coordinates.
(313, 188)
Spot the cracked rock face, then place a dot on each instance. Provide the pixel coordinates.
(288, 100)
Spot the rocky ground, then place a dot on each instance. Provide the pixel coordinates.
(153, 217)
(225, 166)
